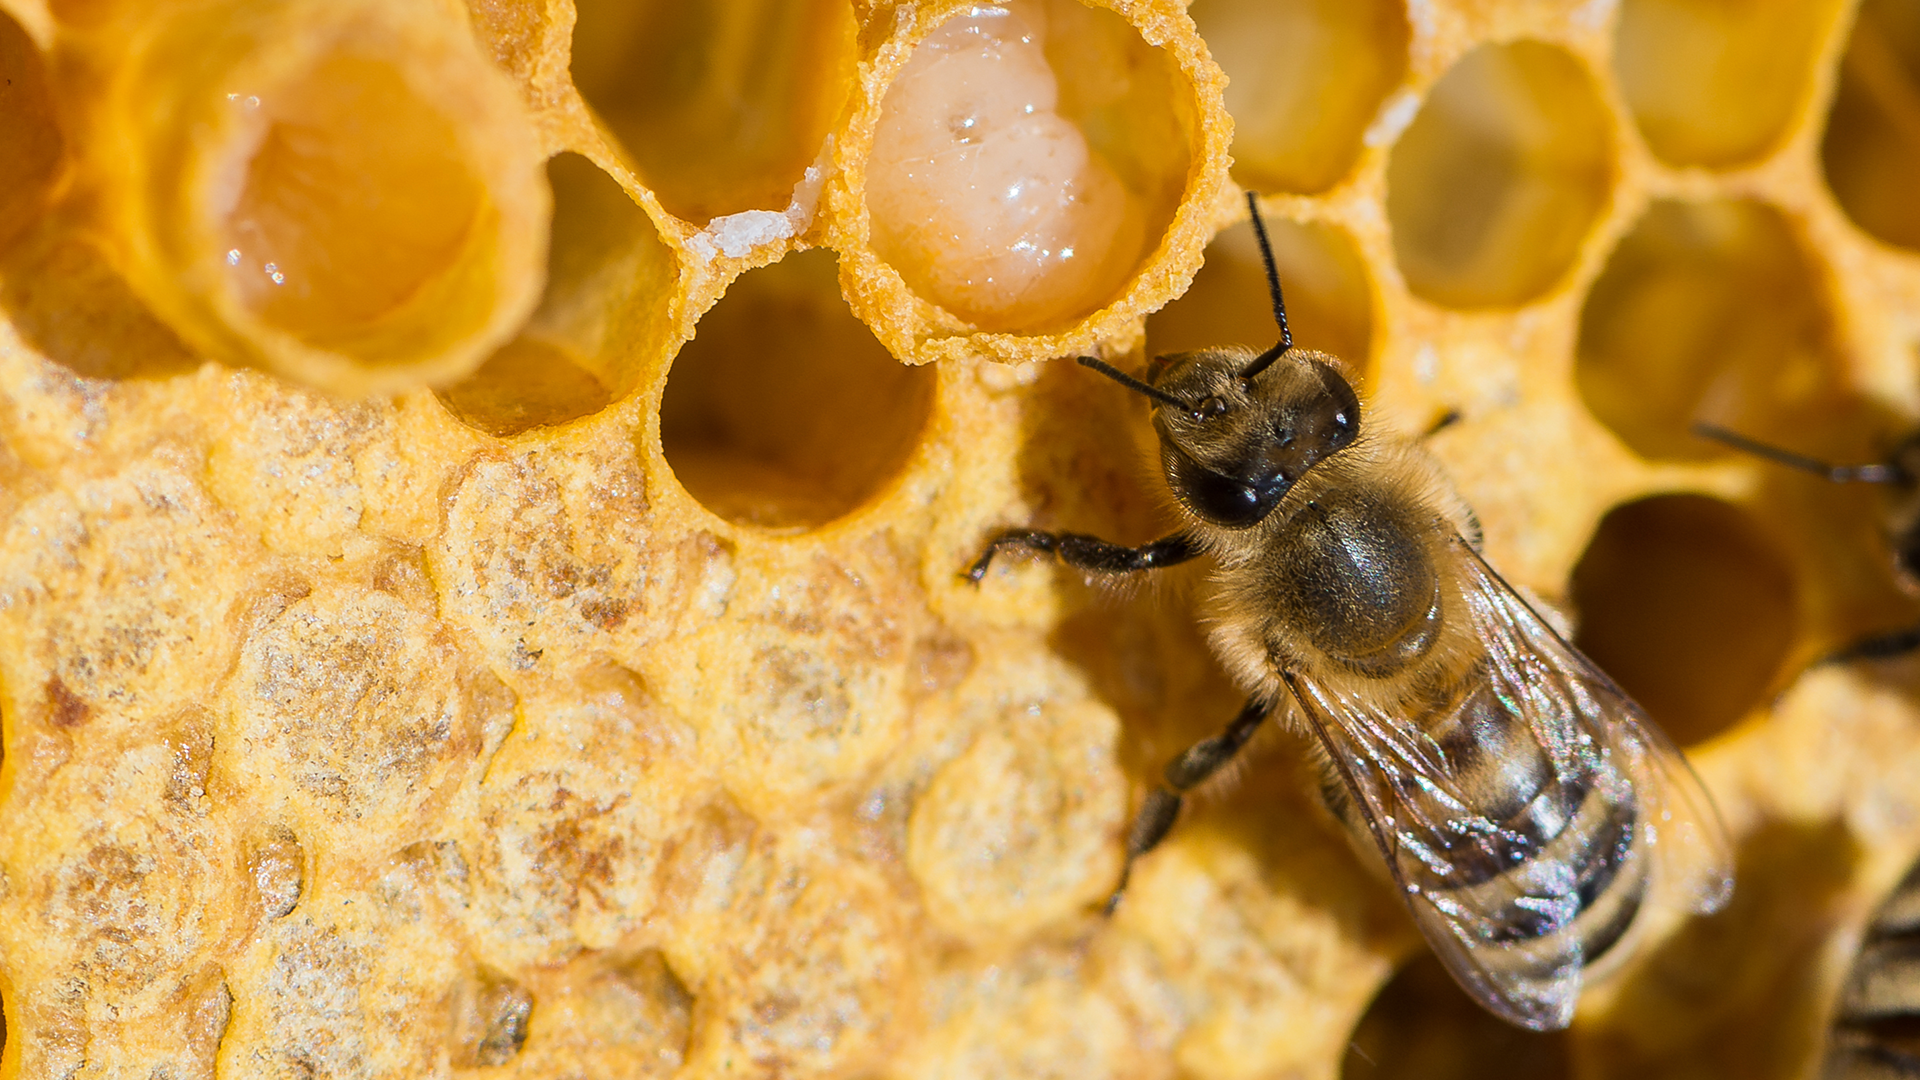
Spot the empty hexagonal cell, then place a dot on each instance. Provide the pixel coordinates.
(1713, 83)
(1422, 1026)
(1690, 607)
(783, 411)
(291, 209)
(610, 282)
(1503, 172)
(1707, 311)
(349, 194)
(1027, 158)
(1329, 295)
(29, 139)
(1307, 77)
(721, 106)
(1872, 147)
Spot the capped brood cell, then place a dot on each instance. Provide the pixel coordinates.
(348, 195)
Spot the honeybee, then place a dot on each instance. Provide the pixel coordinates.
(1875, 1034)
(1900, 474)
(1524, 806)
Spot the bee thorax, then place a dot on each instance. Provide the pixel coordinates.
(1354, 575)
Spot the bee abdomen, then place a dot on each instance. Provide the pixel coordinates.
(1877, 1030)
(1535, 862)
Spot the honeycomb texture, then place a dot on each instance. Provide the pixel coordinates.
(483, 489)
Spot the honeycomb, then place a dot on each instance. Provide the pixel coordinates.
(483, 489)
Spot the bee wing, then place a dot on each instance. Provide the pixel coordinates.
(1496, 905)
(1694, 858)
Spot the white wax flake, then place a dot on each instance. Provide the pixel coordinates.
(233, 256)
(737, 235)
(806, 194)
(1395, 114)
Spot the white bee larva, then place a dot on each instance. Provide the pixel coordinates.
(987, 199)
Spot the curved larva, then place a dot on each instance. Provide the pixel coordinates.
(986, 199)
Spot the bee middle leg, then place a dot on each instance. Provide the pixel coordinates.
(1089, 552)
(1184, 773)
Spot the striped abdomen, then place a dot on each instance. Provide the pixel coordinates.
(1537, 859)
(1876, 1032)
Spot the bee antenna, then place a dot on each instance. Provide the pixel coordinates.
(1266, 359)
(1839, 474)
(1134, 384)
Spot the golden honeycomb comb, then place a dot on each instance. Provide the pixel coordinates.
(539, 645)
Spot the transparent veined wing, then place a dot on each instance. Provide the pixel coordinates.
(1694, 856)
(1528, 811)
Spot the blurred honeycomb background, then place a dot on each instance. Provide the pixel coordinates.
(483, 489)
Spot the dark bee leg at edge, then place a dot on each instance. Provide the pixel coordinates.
(1088, 552)
(1880, 646)
(1184, 773)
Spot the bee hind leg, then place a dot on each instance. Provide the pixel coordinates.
(1184, 773)
(1089, 552)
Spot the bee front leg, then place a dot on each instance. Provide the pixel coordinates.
(1185, 773)
(1089, 552)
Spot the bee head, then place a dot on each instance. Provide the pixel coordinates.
(1237, 428)
(1233, 445)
